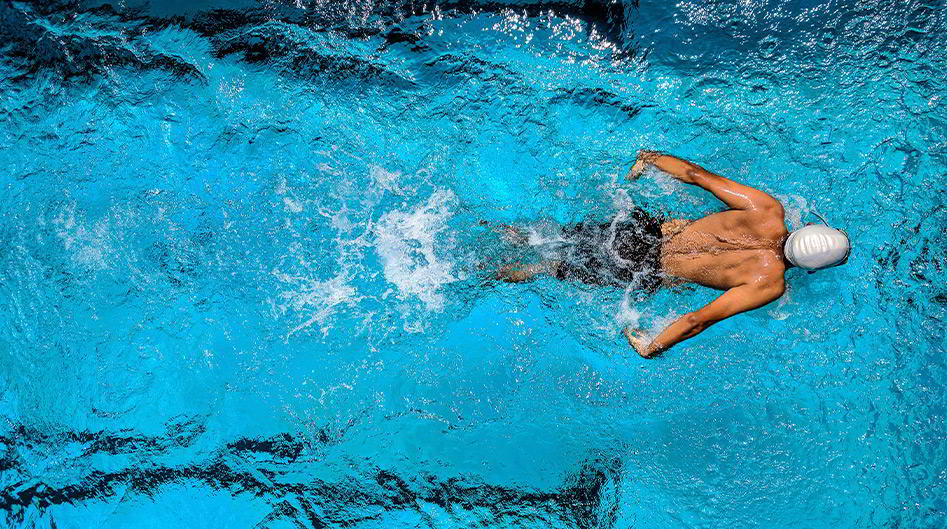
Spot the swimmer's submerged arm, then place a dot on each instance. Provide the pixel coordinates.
(734, 301)
(733, 194)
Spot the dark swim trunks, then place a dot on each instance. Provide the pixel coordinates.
(623, 252)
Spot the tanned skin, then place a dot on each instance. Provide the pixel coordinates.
(739, 251)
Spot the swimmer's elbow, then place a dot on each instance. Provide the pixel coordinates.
(695, 175)
(771, 207)
(769, 290)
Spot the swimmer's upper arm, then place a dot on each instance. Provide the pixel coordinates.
(733, 194)
(736, 300)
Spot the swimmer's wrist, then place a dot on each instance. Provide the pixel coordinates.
(642, 161)
(654, 348)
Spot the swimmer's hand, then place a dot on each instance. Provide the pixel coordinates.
(637, 340)
(644, 159)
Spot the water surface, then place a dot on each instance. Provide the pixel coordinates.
(240, 280)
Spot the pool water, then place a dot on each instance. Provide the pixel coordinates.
(245, 282)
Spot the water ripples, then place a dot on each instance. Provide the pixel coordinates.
(245, 277)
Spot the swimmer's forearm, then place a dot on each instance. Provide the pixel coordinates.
(733, 194)
(682, 170)
(687, 172)
(685, 327)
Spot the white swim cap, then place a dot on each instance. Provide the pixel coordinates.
(816, 246)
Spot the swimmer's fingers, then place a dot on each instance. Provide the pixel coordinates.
(633, 337)
(648, 156)
(641, 163)
(638, 341)
(635, 172)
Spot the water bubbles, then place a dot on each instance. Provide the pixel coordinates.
(406, 242)
(272, 229)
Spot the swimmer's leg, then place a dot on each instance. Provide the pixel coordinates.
(518, 273)
(514, 235)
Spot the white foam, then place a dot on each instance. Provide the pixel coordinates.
(292, 205)
(627, 315)
(777, 311)
(385, 179)
(319, 298)
(545, 238)
(622, 201)
(405, 241)
(89, 243)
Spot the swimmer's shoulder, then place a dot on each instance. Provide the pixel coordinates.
(768, 220)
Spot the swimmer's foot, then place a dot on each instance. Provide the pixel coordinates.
(513, 235)
(518, 273)
(484, 264)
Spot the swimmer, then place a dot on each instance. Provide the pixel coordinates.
(744, 251)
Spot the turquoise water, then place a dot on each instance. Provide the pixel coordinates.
(241, 275)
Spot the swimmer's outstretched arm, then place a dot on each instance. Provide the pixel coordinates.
(734, 301)
(733, 194)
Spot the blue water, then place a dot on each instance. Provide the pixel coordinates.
(241, 260)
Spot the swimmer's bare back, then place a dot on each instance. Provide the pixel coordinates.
(738, 251)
